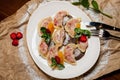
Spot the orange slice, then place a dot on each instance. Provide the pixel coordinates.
(51, 27)
(61, 56)
(77, 25)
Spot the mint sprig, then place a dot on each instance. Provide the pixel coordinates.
(45, 35)
(79, 32)
(97, 9)
(95, 6)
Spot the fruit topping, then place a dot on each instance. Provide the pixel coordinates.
(83, 38)
(57, 59)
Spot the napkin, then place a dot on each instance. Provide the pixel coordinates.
(17, 64)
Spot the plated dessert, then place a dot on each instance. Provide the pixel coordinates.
(62, 40)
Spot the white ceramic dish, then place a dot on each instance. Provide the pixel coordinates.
(50, 9)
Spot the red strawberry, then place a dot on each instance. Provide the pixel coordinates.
(57, 59)
(83, 38)
(15, 42)
(13, 36)
(48, 31)
(19, 35)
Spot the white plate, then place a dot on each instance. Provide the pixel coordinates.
(50, 9)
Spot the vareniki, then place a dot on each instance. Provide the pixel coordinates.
(62, 40)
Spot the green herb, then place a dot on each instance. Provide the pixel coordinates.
(79, 32)
(43, 29)
(85, 3)
(60, 66)
(95, 6)
(45, 35)
(76, 3)
(54, 63)
(87, 33)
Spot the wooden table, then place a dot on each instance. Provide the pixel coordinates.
(8, 7)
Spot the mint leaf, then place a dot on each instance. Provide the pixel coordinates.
(45, 35)
(79, 32)
(76, 3)
(85, 3)
(87, 33)
(43, 29)
(77, 35)
(48, 38)
(95, 5)
(60, 66)
(54, 63)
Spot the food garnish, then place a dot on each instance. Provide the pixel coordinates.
(51, 27)
(79, 32)
(62, 38)
(56, 63)
(78, 25)
(61, 56)
(46, 34)
(83, 38)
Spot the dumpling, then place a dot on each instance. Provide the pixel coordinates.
(44, 23)
(68, 53)
(43, 48)
(58, 36)
(71, 25)
(52, 52)
(82, 46)
(59, 18)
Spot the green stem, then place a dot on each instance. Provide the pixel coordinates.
(96, 10)
(99, 11)
(106, 14)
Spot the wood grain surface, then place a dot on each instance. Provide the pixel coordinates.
(8, 7)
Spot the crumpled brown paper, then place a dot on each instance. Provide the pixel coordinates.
(17, 64)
